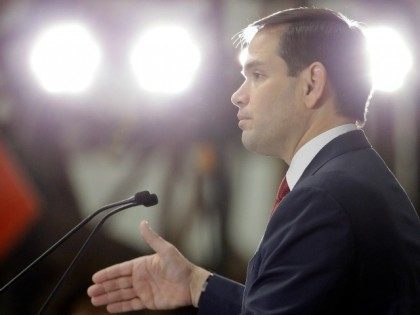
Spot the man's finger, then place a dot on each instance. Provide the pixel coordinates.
(119, 270)
(114, 297)
(125, 306)
(111, 285)
(157, 243)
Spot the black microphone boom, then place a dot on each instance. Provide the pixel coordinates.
(76, 258)
(141, 198)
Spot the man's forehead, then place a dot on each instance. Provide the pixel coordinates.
(263, 46)
(265, 40)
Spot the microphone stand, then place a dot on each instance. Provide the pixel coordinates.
(78, 255)
(143, 197)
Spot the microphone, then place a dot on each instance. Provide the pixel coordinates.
(145, 198)
(140, 198)
(151, 201)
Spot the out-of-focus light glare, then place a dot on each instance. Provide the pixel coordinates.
(243, 55)
(390, 58)
(65, 58)
(249, 33)
(165, 59)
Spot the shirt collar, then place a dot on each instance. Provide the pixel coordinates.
(307, 152)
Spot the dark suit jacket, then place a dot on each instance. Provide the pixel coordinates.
(346, 240)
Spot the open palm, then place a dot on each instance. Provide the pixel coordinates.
(159, 281)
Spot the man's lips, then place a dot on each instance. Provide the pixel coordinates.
(243, 117)
(242, 120)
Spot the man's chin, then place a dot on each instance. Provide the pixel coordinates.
(252, 145)
(246, 141)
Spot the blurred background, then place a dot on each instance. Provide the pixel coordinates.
(100, 99)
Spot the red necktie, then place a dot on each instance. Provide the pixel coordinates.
(282, 192)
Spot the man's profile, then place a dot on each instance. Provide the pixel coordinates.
(344, 237)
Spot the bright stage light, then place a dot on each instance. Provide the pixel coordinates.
(65, 58)
(390, 58)
(165, 60)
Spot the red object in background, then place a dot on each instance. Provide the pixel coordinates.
(19, 203)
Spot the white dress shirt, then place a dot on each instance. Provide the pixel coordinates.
(307, 152)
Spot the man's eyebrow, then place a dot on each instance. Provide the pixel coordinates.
(251, 64)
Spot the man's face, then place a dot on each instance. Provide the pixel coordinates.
(271, 113)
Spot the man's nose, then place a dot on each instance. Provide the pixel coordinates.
(240, 98)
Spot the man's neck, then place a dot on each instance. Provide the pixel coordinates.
(315, 130)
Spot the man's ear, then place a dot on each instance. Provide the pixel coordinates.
(314, 84)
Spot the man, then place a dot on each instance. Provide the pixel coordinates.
(346, 238)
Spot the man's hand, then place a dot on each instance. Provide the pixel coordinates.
(163, 280)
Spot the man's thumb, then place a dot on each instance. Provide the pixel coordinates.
(157, 243)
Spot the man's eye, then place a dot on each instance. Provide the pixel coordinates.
(257, 75)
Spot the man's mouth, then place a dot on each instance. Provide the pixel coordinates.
(243, 121)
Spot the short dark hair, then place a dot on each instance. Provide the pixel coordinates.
(315, 34)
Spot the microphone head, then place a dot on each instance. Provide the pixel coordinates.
(151, 201)
(145, 198)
